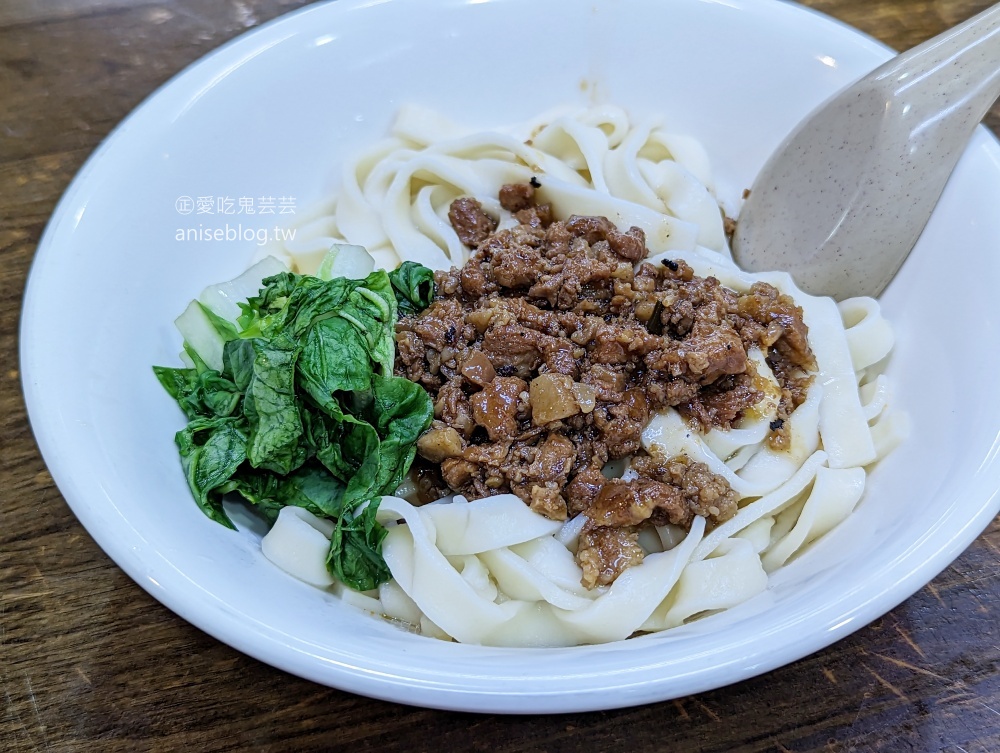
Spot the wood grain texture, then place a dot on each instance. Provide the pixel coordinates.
(90, 662)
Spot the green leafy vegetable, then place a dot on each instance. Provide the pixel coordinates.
(414, 286)
(211, 450)
(223, 326)
(311, 487)
(272, 409)
(200, 393)
(354, 549)
(306, 411)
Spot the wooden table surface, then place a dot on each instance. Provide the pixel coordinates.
(89, 661)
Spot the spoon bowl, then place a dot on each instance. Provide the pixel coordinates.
(844, 198)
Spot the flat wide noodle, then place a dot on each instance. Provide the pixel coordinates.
(298, 543)
(471, 613)
(834, 494)
(491, 523)
(729, 577)
(494, 572)
(394, 197)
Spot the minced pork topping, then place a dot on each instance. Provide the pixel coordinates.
(548, 352)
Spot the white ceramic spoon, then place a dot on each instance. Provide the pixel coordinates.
(844, 198)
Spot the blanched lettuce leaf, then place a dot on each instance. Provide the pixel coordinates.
(355, 546)
(291, 304)
(272, 409)
(203, 393)
(211, 450)
(306, 411)
(414, 287)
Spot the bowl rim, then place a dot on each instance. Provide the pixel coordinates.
(449, 691)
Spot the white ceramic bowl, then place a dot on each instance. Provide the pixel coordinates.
(274, 112)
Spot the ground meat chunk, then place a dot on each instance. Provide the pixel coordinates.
(443, 326)
(608, 383)
(615, 344)
(605, 553)
(548, 501)
(704, 493)
(475, 279)
(662, 388)
(629, 245)
(426, 477)
(517, 196)
(515, 267)
(411, 359)
(629, 503)
(458, 473)
(496, 409)
(621, 424)
(452, 408)
(547, 353)
(671, 491)
(513, 258)
(565, 280)
(477, 368)
(513, 349)
(553, 461)
(537, 217)
(710, 353)
(724, 402)
(584, 489)
(470, 221)
(771, 319)
(782, 321)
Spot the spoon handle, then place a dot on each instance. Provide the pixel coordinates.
(957, 71)
(844, 198)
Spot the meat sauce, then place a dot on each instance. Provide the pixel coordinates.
(549, 351)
